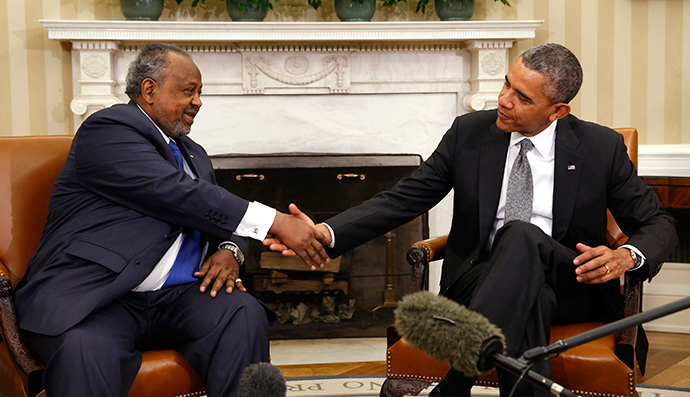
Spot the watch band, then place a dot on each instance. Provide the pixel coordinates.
(236, 251)
(636, 258)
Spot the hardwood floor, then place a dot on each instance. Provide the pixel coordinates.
(668, 363)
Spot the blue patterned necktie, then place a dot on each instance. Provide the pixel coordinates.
(520, 193)
(189, 256)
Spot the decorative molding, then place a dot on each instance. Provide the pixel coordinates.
(664, 160)
(85, 106)
(95, 46)
(489, 65)
(95, 66)
(219, 32)
(263, 70)
(671, 284)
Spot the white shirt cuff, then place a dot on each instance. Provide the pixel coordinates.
(256, 221)
(330, 230)
(632, 248)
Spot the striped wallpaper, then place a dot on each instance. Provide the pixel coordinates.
(637, 68)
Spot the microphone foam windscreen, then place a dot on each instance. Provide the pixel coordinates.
(262, 380)
(422, 319)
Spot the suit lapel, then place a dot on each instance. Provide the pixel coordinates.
(189, 158)
(567, 173)
(491, 165)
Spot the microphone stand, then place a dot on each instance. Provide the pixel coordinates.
(543, 352)
(491, 354)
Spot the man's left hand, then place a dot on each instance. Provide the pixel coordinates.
(600, 264)
(221, 269)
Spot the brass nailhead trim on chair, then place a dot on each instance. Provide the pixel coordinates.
(432, 379)
(198, 393)
(388, 361)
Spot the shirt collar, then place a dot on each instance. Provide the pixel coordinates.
(544, 142)
(167, 138)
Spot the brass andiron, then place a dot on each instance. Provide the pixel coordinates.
(389, 291)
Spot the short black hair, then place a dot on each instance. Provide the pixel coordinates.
(561, 67)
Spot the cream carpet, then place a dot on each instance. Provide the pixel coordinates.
(366, 386)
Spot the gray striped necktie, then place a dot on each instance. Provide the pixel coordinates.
(520, 187)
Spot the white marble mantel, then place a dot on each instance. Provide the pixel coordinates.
(297, 58)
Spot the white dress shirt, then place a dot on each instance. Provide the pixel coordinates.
(541, 161)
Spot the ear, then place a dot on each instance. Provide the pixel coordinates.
(560, 110)
(148, 89)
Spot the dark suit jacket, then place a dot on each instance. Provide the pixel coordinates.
(116, 207)
(470, 160)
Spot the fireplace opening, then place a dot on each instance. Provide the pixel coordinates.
(353, 295)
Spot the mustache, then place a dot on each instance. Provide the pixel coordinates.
(192, 109)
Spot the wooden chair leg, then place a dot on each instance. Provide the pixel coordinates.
(400, 387)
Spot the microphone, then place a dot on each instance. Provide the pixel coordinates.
(466, 340)
(262, 380)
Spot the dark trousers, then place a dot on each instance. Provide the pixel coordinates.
(101, 355)
(526, 280)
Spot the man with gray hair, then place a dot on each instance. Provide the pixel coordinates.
(128, 259)
(531, 183)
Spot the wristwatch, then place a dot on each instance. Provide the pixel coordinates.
(636, 258)
(236, 251)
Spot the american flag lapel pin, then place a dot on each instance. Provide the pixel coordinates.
(571, 167)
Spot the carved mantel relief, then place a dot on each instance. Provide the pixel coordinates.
(96, 78)
(312, 71)
(469, 59)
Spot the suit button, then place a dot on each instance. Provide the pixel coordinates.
(208, 217)
(137, 262)
(223, 223)
(473, 261)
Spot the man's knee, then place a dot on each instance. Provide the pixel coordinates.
(520, 232)
(238, 306)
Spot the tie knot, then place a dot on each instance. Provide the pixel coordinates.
(525, 146)
(173, 146)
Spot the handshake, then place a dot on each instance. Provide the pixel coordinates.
(296, 234)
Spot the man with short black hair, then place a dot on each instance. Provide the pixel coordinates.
(532, 183)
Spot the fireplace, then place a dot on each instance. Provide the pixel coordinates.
(356, 291)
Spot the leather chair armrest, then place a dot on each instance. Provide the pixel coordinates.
(419, 256)
(9, 329)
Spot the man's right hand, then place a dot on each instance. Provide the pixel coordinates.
(296, 234)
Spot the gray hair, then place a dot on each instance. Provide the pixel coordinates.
(151, 62)
(560, 66)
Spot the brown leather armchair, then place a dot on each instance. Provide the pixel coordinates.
(28, 168)
(604, 368)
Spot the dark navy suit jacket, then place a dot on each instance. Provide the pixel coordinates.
(592, 173)
(116, 207)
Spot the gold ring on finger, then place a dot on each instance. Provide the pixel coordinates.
(607, 270)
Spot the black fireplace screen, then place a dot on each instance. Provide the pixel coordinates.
(354, 294)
